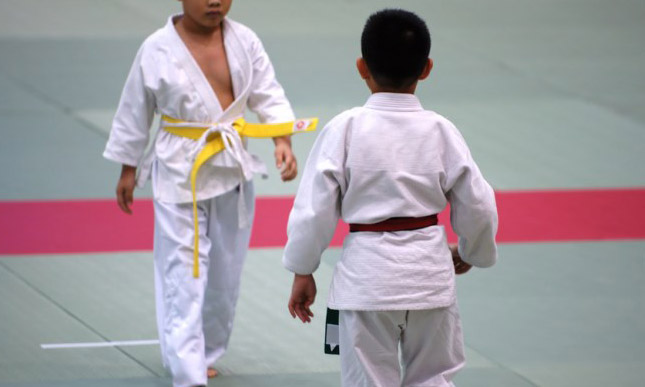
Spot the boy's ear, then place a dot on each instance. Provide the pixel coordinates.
(427, 69)
(362, 68)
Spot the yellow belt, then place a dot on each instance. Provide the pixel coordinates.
(214, 144)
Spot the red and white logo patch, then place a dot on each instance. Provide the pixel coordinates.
(300, 125)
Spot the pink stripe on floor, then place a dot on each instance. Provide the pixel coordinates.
(86, 226)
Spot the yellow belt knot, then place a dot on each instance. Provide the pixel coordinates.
(214, 138)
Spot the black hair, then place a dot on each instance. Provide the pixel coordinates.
(395, 45)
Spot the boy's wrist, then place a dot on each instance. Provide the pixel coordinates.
(286, 140)
(128, 170)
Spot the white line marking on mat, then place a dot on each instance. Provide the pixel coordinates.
(100, 344)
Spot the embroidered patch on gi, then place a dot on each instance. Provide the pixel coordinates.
(301, 125)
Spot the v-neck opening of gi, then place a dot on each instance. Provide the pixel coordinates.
(199, 72)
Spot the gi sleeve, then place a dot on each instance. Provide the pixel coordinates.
(473, 212)
(267, 98)
(131, 125)
(316, 209)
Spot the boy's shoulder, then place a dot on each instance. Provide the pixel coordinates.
(446, 126)
(344, 118)
(439, 118)
(160, 37)
(241, 30)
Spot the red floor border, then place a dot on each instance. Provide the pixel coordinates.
(87, 226)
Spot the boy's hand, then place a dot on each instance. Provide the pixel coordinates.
(461, 267)
(303, 294)
(125, 188)
(285, 160)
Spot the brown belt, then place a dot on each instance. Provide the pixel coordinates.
(396, 224)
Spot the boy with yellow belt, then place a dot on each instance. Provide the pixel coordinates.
(199, 72)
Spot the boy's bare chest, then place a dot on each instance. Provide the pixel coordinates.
(214, 64)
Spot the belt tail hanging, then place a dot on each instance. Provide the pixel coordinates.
(206, 153)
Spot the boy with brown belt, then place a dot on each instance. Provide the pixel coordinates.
(387, 168)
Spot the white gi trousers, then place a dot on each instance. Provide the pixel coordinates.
(195, 315)
(414, 348)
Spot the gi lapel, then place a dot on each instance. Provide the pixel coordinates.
(241, 68)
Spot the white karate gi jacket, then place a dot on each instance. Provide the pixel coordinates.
(391, 158)
(166, 79)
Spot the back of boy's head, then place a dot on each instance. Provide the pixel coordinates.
(395, 46)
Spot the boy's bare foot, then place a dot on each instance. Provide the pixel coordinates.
(211, 372)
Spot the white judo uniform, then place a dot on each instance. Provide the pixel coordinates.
(391, 158)
(195, 315)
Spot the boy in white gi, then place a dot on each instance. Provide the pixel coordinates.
(199, 72)
(387, 168)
